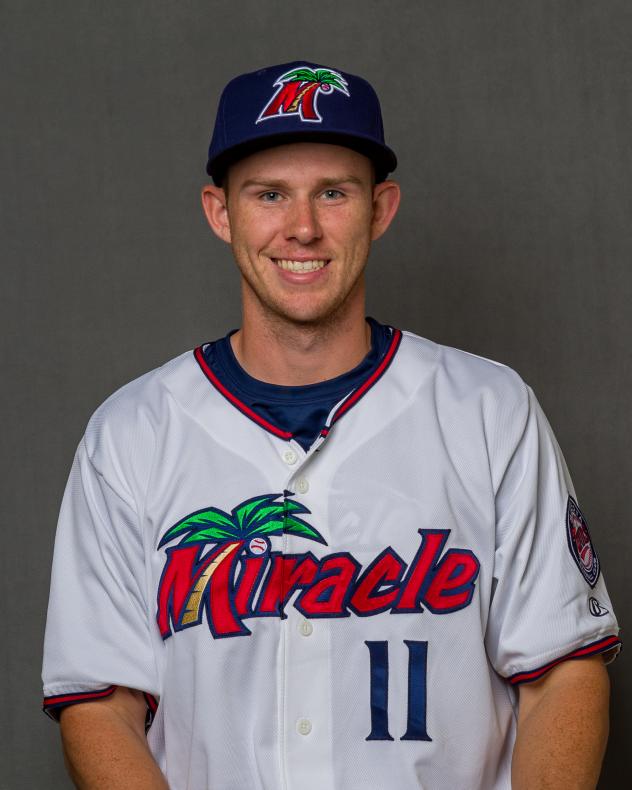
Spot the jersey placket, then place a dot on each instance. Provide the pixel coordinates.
(305, 651)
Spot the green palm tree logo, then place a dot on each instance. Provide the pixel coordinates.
(209, 580)
(298, 91)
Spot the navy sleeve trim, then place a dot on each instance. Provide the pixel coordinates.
(592, 649)
(54, 705)
(152, 705)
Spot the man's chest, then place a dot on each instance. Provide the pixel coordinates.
(348, 530)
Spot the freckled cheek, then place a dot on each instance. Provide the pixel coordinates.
(354, 247)
(256, 240)
(268, 237)
(347, 229)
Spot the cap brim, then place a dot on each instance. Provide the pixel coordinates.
(382, 157)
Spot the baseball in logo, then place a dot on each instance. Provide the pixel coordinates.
(579, 543)
(298, 91)
(258, 546)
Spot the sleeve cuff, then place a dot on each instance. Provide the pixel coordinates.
(600, 646)
(53, 706)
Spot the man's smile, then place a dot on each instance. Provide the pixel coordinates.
(300, 266)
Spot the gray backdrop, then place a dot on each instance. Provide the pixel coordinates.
(512, 123)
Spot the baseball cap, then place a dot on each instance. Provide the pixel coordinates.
(294, 102)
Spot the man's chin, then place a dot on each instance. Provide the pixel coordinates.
(307, 316)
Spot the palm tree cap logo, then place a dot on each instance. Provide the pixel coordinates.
(298, 90)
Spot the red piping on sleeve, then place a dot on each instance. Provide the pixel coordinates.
(600, 646)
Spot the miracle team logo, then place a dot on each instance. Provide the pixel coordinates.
(224, 570)
(298, 91)
(579, 543)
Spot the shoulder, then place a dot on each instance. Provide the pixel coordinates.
(123, 430)
(460, 375)
(475, 402)
(141, 398)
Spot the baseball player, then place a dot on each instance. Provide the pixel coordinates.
(322, 553)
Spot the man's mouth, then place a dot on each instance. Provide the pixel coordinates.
(300, 266)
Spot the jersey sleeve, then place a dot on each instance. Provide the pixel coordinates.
(550, 601)
(98, 625)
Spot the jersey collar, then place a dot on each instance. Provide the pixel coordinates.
(373, 376)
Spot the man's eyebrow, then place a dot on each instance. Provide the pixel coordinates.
(264, 182)
(344, 180)
(275, 183)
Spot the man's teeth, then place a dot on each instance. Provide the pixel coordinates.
(299, 266)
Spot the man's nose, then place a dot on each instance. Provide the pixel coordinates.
(302, 221)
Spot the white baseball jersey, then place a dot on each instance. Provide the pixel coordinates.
(350, 617)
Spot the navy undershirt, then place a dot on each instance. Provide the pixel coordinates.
(301, 410)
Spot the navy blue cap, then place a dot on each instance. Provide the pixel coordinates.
(297, 102)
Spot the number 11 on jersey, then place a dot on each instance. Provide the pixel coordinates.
(417, 695)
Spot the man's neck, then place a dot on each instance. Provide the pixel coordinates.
(293, 355)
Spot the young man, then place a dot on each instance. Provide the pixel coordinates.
(320, 552)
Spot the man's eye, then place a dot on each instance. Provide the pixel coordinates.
(271, 196)
(332, 194)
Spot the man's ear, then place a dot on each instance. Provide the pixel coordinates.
(386, 197)
(215, 205)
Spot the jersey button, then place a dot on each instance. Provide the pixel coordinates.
(290, 457)
(306, 628)
(303, 726)
(302, 486)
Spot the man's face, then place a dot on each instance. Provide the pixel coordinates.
(300, 219)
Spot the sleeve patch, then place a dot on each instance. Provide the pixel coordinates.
(580, 544)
